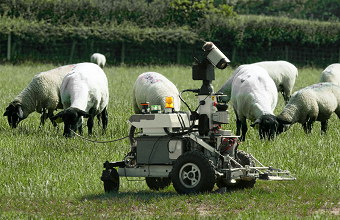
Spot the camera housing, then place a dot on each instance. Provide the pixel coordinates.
(204, 68)
(215, 56)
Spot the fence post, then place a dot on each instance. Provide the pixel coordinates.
(286, 52)
(9, 46)
(178, 53)
(233, 54)
(123, 53)
(72, 50)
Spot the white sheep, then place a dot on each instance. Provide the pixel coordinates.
(313, 103)
(41, 94)
(254, 97)
(283, 74)
(331, 74)
(98, 59)
(84, 93)
(153, 87)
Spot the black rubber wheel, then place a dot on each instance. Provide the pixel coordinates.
(110, 178)
(193, 173)
(244, 159)
(157, 183)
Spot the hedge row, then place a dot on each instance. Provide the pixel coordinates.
(241, 31)
(245, 33)
(44, 32)
(263, 31)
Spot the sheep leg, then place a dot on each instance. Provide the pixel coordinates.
(50, 115)
(324, 125)
(90, 124)
(99, 119)
(244, 129)
(80, 129)
(307, 127)
(105, 119)
(238, 126)
(43, 118)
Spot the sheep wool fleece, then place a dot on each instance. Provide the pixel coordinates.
(316, 102)
(331, 74)
(253, 92)
(43, 91)
(153, 87)
(85, 88)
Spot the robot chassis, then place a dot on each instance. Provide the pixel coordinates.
(190, 150)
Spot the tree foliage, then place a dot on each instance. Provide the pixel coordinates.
(326, 10)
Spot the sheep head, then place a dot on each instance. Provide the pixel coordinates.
(283, 125)
(72, 118)
(14, 114)
(268, 126)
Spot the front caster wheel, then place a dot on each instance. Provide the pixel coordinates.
(110, 178)
(193, 173)
(157, 183)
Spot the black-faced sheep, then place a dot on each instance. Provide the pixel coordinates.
(98, 59)
(84, 93)
(313, 103)
(254, 97)
(153, 87)
(41, 95)
(331, 74)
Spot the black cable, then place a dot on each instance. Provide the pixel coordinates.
(187, 90)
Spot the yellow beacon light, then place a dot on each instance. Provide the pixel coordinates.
(169, 102)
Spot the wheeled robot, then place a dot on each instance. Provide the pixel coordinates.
(189, 149)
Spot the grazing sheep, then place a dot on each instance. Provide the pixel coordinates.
(331, 74)
(84, 93)
(98, 59)
(153, 87)
(254, 97)
(283, 74)
(313, 103)
(42, 94)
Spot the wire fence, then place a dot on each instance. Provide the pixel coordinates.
(17, 51)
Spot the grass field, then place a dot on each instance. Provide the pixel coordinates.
(45, 176)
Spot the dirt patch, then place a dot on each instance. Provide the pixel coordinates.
(333, 210)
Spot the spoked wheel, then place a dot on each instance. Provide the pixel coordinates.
(244, 159)
(193, 173)
(110, 178)
(157, 183)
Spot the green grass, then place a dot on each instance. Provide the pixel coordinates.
(44, 176)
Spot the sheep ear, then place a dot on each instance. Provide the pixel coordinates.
(256, 122)
(58, 117)
(83, 113)
(20, 112)
(15, 108)
(9, 109)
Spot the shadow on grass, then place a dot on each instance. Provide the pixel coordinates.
(140, 195)
(147, 195)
